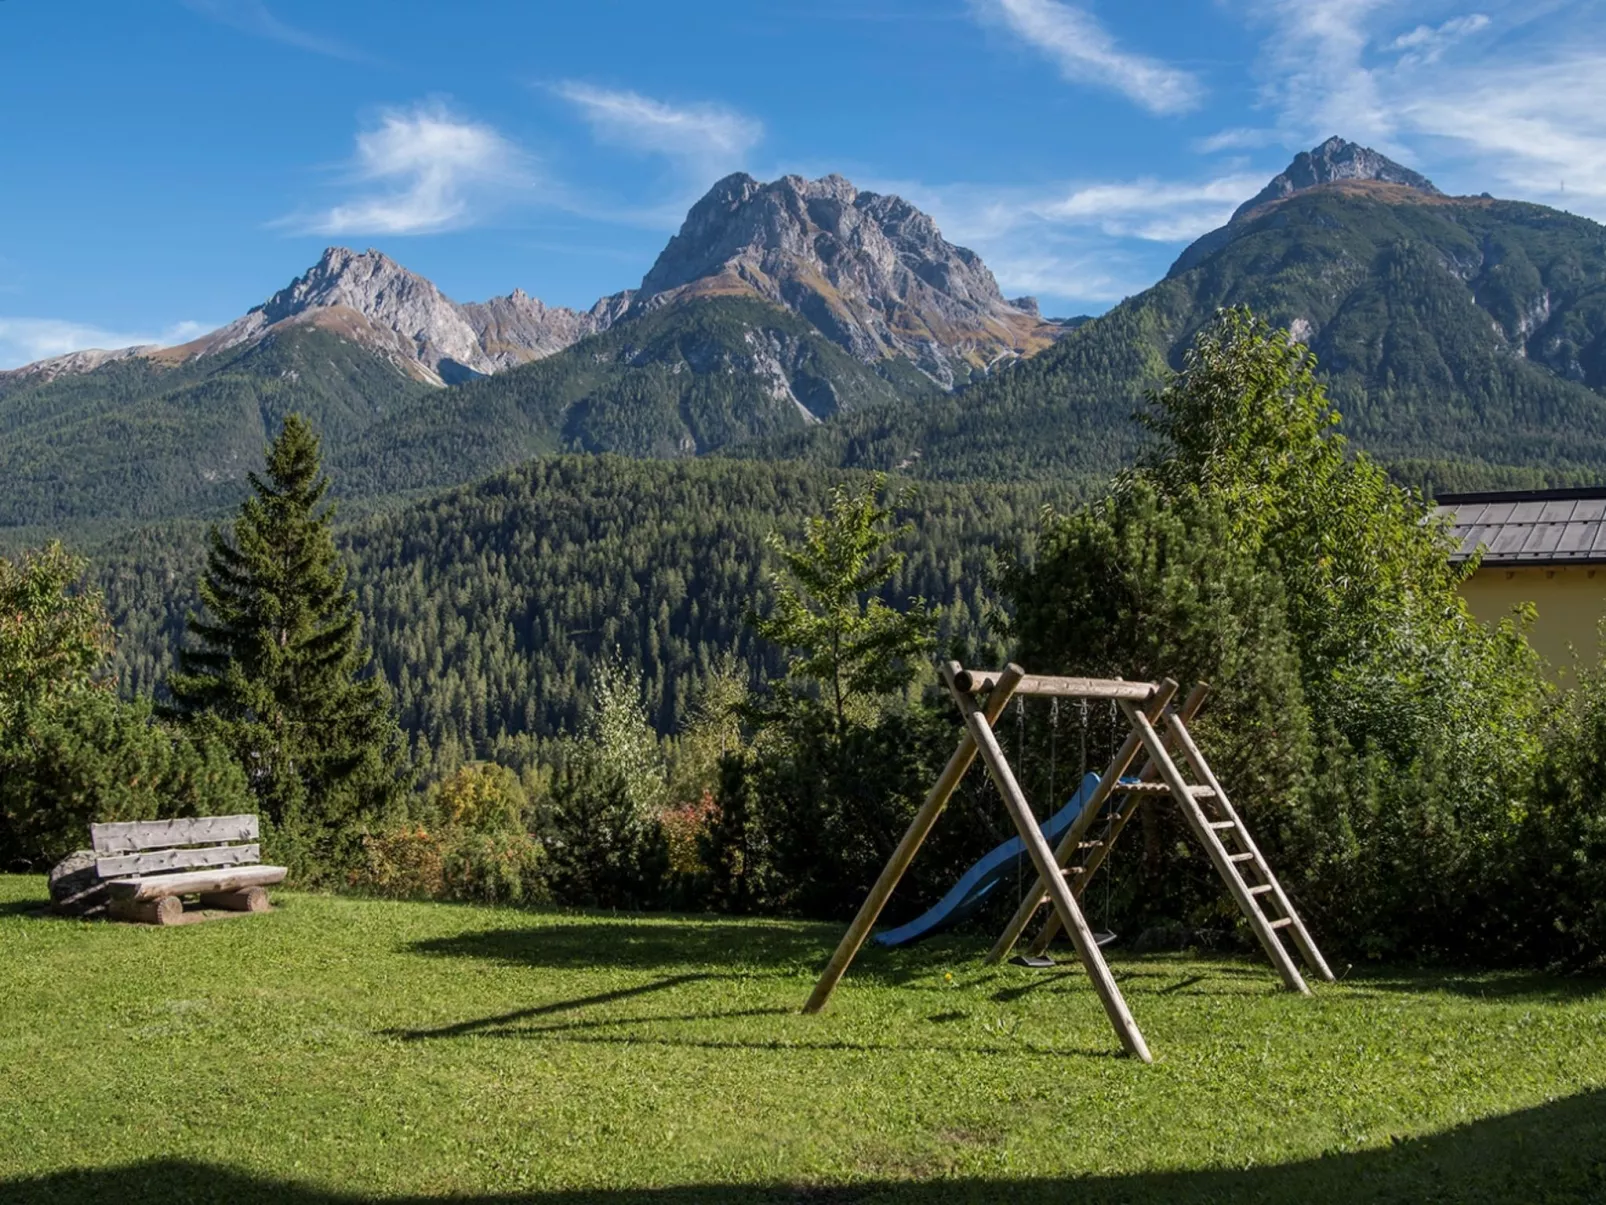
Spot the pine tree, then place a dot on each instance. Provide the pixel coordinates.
(277, 664)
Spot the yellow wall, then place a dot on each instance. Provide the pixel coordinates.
(1571, 600)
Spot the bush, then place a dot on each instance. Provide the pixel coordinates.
(87, 758)
(454, 863)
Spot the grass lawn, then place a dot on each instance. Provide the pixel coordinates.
(339, 1049)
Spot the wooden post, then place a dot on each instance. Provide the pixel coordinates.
(1033, 899)
(1095, 858)
(1302, 938)
(1172, 777)
(936, 799)
(1059, 891)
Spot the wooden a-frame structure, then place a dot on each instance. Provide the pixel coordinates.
(1159, 730)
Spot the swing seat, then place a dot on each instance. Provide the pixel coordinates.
(1043, 961)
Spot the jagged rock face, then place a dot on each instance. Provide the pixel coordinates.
(369, 298)
(871, 271)
(516, 329)
(372, 298)
(1333, 160)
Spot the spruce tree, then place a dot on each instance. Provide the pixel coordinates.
(277, 664)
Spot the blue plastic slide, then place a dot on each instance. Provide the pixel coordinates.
(997, 867)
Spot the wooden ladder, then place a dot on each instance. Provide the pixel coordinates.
(1226, 839)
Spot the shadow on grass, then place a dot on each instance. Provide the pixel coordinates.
(1492, 985)
(35, 908)
(634, 943)
(1552, 1153)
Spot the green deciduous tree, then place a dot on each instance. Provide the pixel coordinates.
(845, 647)
(1382, 739)
(54, 637)
(278, 663)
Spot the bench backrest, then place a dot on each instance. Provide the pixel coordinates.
(141, 847)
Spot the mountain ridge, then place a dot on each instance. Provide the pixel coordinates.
(872, 272)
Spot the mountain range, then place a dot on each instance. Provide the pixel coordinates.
(1464, 339)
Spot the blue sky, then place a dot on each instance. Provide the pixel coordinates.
(168, 164)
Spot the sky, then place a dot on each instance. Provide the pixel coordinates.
(165, 165)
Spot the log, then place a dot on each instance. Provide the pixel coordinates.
(977, 681)
(936, 799)
(134, 835)
(252, 899)
(225, 879)
(168, 910)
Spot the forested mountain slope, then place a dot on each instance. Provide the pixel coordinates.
(1460, 329)
(701, 377)
(140, 439)
(490, 604)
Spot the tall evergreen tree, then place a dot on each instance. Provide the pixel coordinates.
(277, 663)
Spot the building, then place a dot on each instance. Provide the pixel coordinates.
(1547, 547)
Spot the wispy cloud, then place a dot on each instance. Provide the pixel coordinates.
(421, 170)
(1426, 43)
(1086, 53)
(253, 17)
(1090, 242)
(24, 340)
(1530, 120)
(706, 138)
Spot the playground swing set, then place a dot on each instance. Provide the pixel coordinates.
(1159, 730)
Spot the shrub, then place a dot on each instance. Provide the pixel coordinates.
(453, 863)
(88, 758)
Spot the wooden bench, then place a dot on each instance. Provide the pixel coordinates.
(149, 865)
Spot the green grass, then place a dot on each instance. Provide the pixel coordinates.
(339, 1049)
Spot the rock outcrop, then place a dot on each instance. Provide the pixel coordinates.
(872, 272)
(75, 888)
(1332, 161)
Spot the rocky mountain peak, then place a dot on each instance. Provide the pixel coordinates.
(1335, 159)
(872, 272)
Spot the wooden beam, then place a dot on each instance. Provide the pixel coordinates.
(225, 879)
(159, 860)
(1043, 858)
(133, 835)
(936, 799)
(1219, 858)
(1037, 893)
(978, 681)
(1128, 809)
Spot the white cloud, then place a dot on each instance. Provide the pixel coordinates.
(706, 138)
(24, 340)
(253, 17)
(1089, 242)
(427, 170)
(1528, 120)
(1086, 53)
(1426, 43)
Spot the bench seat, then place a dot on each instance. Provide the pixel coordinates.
(224, 878)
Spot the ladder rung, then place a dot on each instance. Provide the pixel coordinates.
(1071, 872)
(1090, 845)
(1218, 825)
(1260, 889)
(1282, 922)
(1202, 792)
(1147, 788)
(1239, 857)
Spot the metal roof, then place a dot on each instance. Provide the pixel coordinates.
(1531, 527)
